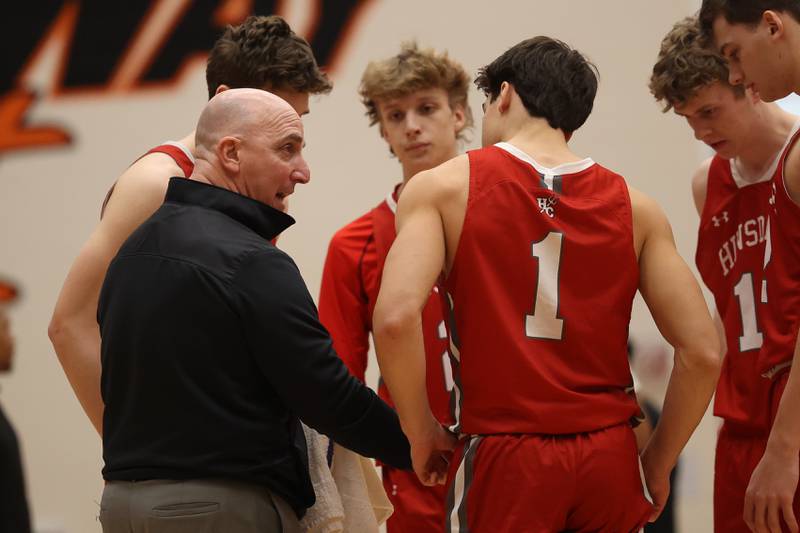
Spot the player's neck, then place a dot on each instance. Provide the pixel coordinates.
(544, 144)
(188, 142)
(766, 137)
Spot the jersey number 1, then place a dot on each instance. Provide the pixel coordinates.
(545, 323)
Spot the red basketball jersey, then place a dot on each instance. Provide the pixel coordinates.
(351, 281)
(541, 291)
(730, 258)
(782, 260)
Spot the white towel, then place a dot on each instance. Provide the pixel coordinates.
(327, 514)
(365, 503)
(350, 495)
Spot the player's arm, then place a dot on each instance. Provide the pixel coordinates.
(343, 307)
(412, 267)
(643, 432)
(773, 484)
(73, 327)
(679, 310)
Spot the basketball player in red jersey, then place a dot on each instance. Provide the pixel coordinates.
(262, 52)
(760, 40)
(543, 252)
(418, 98)
(731, 192)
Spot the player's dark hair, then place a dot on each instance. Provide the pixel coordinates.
(554, 81)
(264, 53)
(746, 12)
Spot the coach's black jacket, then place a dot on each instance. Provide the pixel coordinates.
(212, 350)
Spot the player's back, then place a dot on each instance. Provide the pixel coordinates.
(541, 290)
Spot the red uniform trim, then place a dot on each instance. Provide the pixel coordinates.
(179, 153)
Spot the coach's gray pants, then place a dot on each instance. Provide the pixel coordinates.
(193, 506)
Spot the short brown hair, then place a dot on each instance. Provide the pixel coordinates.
(685, 66)
(412, 70)
(554, 81)
(747, 12)
(264, 52)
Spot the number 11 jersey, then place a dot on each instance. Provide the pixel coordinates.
(540, 295)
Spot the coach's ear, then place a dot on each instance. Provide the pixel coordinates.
(221, 88)
(227, 152)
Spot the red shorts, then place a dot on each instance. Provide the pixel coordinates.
(417, 508)
(739, 451)
(547, 483)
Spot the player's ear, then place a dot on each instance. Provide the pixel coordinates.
(221, 88)
(774, 23)
(504, 98)
(460, 117)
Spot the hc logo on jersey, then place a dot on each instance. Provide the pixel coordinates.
(719, 220)
(547, 205)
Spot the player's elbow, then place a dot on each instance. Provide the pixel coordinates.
(60, 330)
(394, 320)
(55, 329)
(701, 358)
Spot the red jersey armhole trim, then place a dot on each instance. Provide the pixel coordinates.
(177, 154)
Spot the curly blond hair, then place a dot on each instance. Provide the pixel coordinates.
(685, 65)
(411, 70)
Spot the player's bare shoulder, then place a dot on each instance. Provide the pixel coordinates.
(442, 184)
(649, 219)
(148, 174)
(700, 184)
(138, 192)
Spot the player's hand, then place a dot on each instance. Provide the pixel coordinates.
(656, 476)
(431, 453)
(770, 493)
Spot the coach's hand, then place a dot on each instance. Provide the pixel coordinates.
(431, 453)
(656, 476)
(771, 492)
